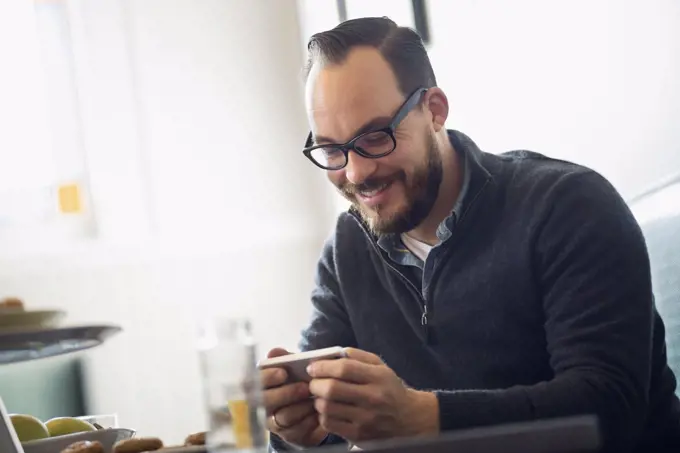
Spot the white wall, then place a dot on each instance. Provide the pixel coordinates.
(593, 81)
(193, 124)
(315, 16)
(23, 110)
(223, 114)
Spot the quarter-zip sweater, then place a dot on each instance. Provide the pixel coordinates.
(539, 304)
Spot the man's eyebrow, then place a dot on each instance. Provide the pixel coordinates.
(376, 123)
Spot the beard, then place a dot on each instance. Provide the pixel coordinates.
(421, 191)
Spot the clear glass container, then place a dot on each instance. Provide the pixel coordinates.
(231, 384)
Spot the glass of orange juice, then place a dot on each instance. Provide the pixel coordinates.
(231, 383)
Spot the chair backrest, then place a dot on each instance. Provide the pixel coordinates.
(43, 388)
(659, 215)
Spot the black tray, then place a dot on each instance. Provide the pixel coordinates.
(21, 346)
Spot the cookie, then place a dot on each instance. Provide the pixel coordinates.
(195, 439)
(85, 447)
(138, 445)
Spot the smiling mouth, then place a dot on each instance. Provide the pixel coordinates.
(374, 191)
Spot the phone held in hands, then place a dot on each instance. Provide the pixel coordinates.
(296, 364)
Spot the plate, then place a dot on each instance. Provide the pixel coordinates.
(17, 320)
(108, 437)
(31, 344)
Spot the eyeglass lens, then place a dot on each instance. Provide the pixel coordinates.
(371, 144)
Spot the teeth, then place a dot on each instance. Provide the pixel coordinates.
(370, 193)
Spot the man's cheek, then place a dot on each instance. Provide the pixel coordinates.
(336, 179)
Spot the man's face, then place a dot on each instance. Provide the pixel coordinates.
(395, 193)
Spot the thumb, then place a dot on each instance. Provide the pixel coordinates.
(277, 352)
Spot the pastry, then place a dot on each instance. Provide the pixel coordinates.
(85, 447)
(195, 439)
(138, 445)
(12, 303)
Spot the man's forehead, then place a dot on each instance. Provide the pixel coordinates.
(340, 98)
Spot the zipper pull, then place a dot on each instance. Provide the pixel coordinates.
(423, 319)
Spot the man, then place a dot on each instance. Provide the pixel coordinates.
(473, 289)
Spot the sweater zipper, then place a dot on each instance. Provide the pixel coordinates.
(415, 291)
(409, 284)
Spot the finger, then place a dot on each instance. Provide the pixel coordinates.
(340, 411)
(307, 423)
(292, 415)
(295, 434)
(273, 377)
(363, 356)
(342, 428)
(340, 391)
(276, 398)
(277, 352)
(348, 370)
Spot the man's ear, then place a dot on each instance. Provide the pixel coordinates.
(438, 105)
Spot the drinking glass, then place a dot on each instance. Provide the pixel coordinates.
(231, 384)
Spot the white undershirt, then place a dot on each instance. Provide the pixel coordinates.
(418, 248)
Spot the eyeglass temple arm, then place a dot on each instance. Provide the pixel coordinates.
(309, 140)
(407, 107)
(403, 111)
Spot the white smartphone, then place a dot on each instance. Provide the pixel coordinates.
(296, 364)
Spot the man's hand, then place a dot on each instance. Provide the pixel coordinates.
(359, 398)
(290, 409)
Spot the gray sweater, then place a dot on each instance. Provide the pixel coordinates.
(539, 305)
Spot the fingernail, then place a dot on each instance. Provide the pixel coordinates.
(310, 370)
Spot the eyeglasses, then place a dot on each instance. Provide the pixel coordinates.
(371, 145)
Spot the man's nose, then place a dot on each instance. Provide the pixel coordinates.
(359, 168)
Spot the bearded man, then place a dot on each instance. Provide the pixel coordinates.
(470, 288)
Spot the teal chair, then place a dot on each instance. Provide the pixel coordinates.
(44, 388)
(658, 212)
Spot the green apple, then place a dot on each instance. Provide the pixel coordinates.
(28, 427)
(61, 426)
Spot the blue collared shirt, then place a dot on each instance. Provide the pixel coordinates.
(394, 246)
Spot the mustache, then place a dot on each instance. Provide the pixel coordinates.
(350, 189)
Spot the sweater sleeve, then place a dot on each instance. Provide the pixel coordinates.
(592, 266)
(329, 326)
(276, 444)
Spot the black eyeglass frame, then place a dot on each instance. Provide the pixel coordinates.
(408, 105)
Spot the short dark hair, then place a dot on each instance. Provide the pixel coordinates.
(400, 46)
